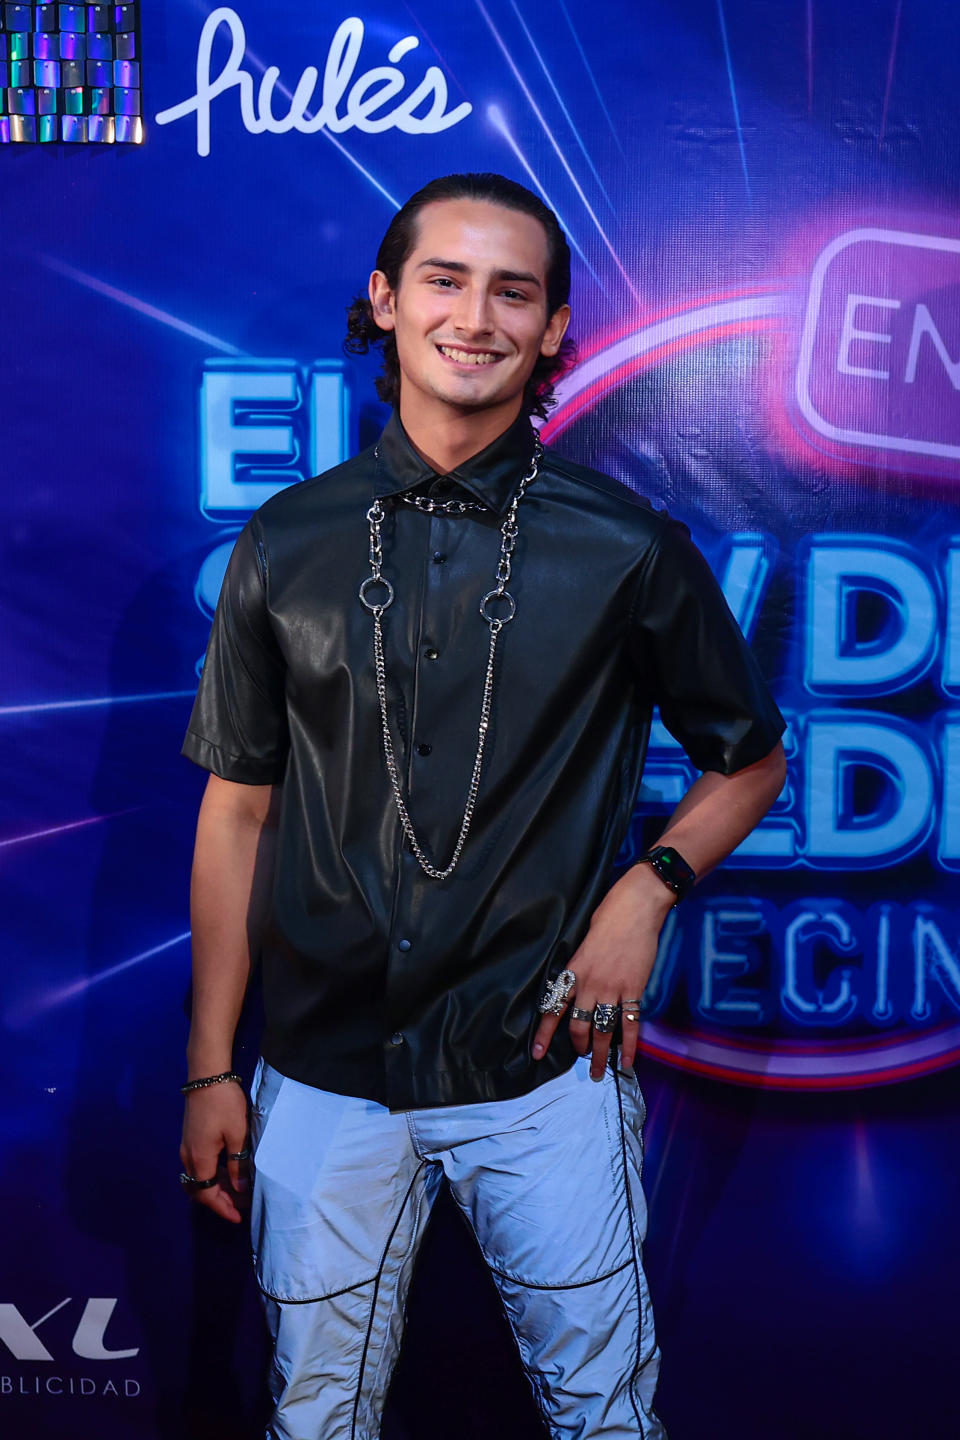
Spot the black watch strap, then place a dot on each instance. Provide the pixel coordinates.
(672, 869)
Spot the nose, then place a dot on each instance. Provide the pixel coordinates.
(474, 313)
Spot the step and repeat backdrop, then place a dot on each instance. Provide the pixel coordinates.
(762, 202)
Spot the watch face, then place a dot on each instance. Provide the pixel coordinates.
(672, 869)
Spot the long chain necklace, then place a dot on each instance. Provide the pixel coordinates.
(499, 593)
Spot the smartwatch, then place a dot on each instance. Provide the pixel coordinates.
(672, 869)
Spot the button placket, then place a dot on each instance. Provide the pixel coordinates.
(402, 936)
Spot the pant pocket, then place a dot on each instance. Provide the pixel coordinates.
(328, 1183)
(546, 1194)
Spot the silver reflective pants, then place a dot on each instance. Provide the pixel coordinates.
(550, 1184)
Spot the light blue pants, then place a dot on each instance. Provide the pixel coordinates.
(550, 1183)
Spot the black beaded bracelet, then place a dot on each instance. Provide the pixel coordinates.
(210, 1080)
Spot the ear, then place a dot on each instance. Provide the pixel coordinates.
(381, 300)
(555, 331)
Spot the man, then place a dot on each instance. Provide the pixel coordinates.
(425, 704)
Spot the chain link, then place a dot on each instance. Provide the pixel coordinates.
(443, 507)
(508, 541)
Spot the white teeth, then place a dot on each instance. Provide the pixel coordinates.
(466, 357)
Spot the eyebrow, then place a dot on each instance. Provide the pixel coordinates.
(459, 268)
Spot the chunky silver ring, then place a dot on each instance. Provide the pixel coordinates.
(375, 580)
(578, 1013)
(498, 595)
(239, 1155)
(194, 1183)
(605, 1018)
(558, 993)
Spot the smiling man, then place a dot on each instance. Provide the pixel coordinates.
(425, 706)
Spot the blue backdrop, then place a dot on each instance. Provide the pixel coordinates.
(762, 202)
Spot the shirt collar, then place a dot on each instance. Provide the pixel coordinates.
(492, 475)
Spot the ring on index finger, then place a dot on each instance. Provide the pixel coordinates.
(557, 993)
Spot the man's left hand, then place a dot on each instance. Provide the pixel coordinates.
(613, 965)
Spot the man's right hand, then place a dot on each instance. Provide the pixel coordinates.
(215, 1125)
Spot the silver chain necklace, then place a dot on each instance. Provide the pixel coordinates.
(443, 507)
(508, 541)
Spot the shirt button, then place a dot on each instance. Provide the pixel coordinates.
(424, 749)
(431, 653)
(438, 557)
(404, 945)
(396, 1038)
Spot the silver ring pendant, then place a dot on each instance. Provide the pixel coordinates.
(375, 580)
(508, 533)
(498, 595)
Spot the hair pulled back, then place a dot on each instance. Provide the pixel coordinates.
(400, 239)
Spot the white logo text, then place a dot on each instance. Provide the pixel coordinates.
(345, 103)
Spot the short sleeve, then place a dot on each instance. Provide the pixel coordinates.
(238, 728)
(695, 663)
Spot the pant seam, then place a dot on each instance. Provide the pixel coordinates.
(534, 1378)
(315, 1299)
(636, 1268)
(415, 1140)
(386, 1349)
(373, 1300)
(570, 1285)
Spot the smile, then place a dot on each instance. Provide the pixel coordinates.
(469, 357)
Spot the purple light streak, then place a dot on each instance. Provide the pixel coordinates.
(100, 700)
(556, 148)
(443, 62)
(496, 118)
(31, 1010)
(592, 78)
(70, 825)
(559, 99)
(152, 312)
(309, 115)
(733, 98)
(894, 40)
(809, 57)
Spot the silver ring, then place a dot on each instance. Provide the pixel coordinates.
(239, 1155)
(375, 580)
(605, 1017)
(631, 1015)
(558, 993)
(497, 595)
(578, 1013)
(194, 1183)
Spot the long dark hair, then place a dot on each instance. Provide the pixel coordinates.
(400, 239)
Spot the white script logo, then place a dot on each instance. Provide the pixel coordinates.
(345, 102)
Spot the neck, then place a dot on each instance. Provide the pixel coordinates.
(447, 439)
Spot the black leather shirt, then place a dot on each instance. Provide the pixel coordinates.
(379, 981)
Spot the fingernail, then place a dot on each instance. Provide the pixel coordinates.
(537, 1051)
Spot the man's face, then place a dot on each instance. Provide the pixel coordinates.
(470, 312)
